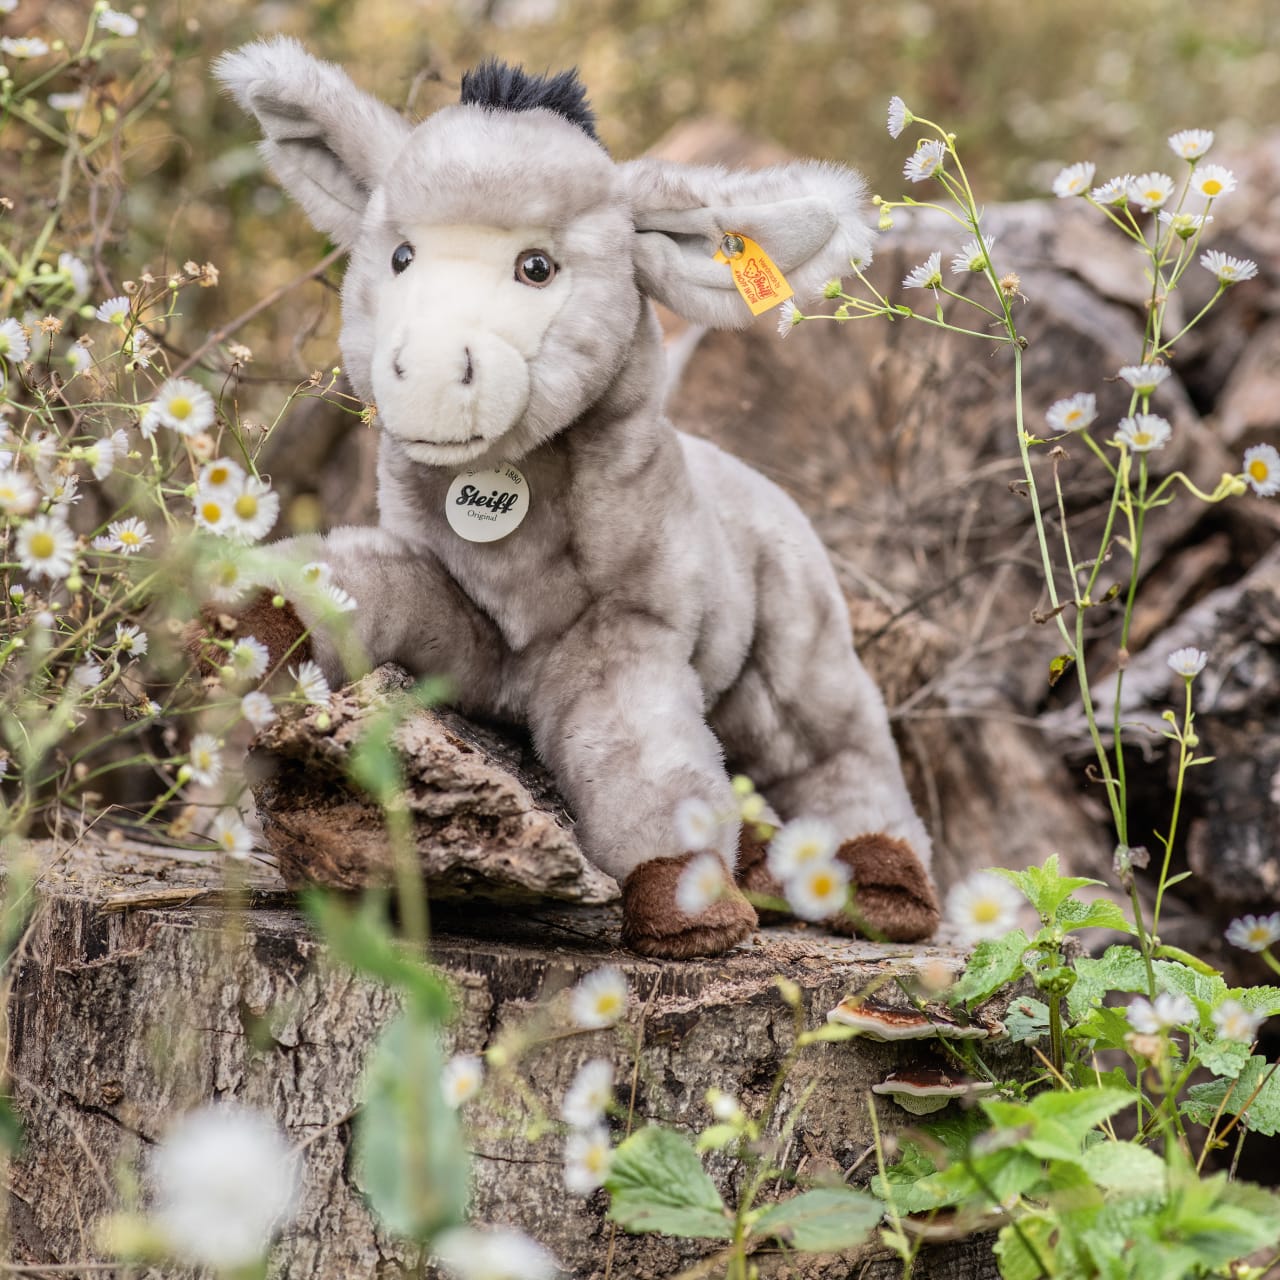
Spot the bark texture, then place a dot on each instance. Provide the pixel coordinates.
(122, 1014)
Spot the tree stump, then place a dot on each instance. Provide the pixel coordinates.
(139, 993)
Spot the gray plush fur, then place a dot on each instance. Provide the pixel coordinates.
(663, 610)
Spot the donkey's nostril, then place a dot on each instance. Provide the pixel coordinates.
(395, 365)
(468, 373)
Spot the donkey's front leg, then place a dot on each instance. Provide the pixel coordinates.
(616, 711)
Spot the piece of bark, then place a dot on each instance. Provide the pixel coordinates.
(120, 1020)
(486, 820)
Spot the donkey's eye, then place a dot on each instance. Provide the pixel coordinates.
(401, 257)
(533, 267)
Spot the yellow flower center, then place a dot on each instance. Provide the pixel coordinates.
(130, 538)
(118, 317)
(42, 545)
(246, 506)
(1073, 415)
(1259, 936)
(180, 407)
(1141, 438)
(596, 1158)
(1259, 470)
(211, 512)
(1154, 193)
(219, 475)
(822, 884)
(608, 1005)
(986, 911)
(1211, 187)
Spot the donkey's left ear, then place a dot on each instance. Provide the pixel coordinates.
(809, 217)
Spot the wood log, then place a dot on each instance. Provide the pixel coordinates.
(126, 1008)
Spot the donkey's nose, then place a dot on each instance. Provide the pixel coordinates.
(396, 367)
(469, 372)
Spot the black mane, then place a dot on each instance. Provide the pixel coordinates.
(498, 84)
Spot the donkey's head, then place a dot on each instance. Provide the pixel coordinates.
(499, 257)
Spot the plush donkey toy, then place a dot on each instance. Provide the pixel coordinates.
(647, 604)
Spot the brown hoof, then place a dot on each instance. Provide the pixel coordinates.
(755, 878)
(281, 630)
(895, 899)
(653, 925)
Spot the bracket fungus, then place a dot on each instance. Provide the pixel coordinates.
(880, 1022)
(922, 1090)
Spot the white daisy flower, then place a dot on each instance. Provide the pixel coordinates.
(1185, 225)
(114, 311)
(701, 883)
(1191, 144)
(257, 709)
(184, 406)
(696, 824)
(46, 548)
(14, 345)
(983, 906)
(1113, 191)
(228, 580)
(1150, 190)
(62, 488)
(23, 46)
(587, 1155)
(129, 535)
(899, 116)
(1188, 662)
(103, 455)
(254, 510)
(924, 161)
(1234, 1022)
(461, 1078)
(76, 271)
(1261, 471)
(225, 1182)
(1168, 1012)
(88, 674)
(497, 1254)
(205, 759)
(8, 6)
(231, 835)
(801, 844)
(18, 495)
(1074, 180)
(818, 890)
(249, 657)
(789, 316)
(119, 24)
(1073, 414)
(970, 256)
(1144, 432)
(1144, 378)
(212, 511)
(78, 358)
(130, 639)
(1254, 933)
(1229, 270)
(1213, 181)
(588, 1097)
(600, 999)
(339, 600)
(221, 476)
(724, 1106)
(68, 102)
(928, 275)
(311, 684)
(317, 573)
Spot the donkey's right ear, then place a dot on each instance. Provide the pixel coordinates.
(328, 142)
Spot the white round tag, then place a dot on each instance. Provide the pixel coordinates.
(483, 506)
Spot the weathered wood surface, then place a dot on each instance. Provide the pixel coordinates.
(122, 1014)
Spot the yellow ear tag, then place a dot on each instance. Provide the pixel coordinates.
(759, 281)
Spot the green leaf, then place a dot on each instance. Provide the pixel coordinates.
(1263, 1000)
(658, 1183)
(1119, 968)
(1027, 1021)
(1125, 1166)
(1046, 890)
(1018, 1261)
(362, 939)
(409, 1148)
(822, 1220)
(717, 1136)
(1223, 1057)
(1099, 914)
(1263, 1115)
(10, 1127)
(992, 965)
(1058, 667)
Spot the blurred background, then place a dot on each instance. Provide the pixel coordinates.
(1028, 86)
